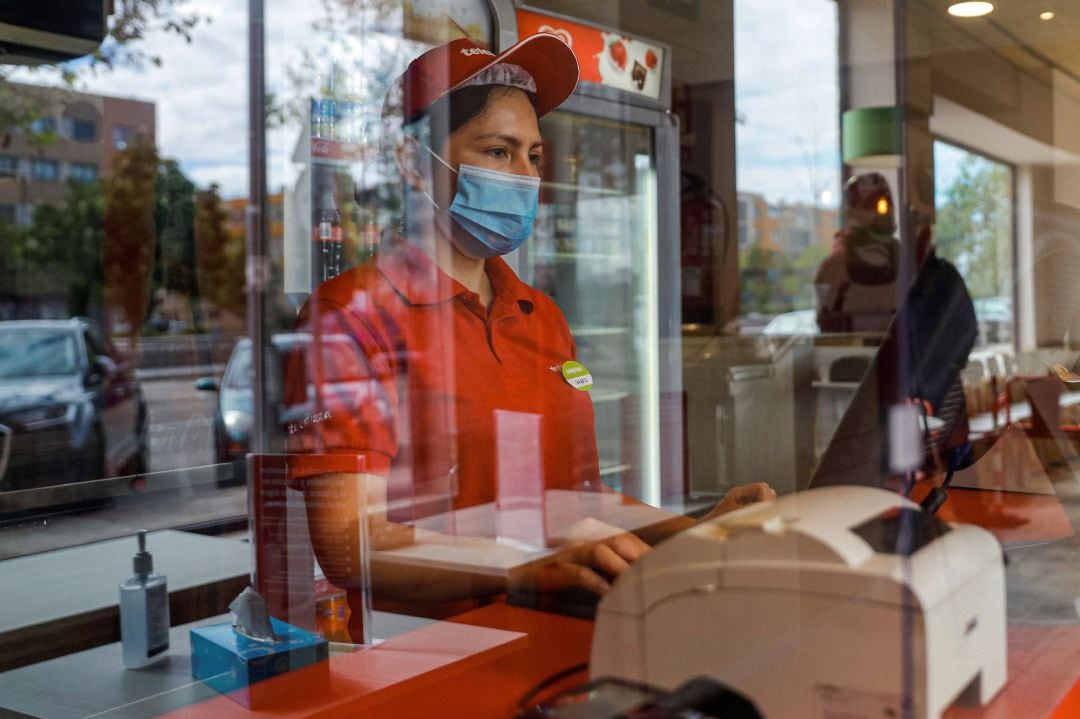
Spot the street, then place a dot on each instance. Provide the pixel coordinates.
(180, 423)
(180, 437)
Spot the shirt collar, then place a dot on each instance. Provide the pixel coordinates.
(511, 294)
(416, 277)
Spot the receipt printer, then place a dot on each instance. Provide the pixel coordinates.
(836, 601)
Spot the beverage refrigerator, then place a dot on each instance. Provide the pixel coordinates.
(606, 247)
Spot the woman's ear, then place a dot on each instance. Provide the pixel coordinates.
(408, 154)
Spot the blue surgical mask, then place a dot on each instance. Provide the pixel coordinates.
(495, 209)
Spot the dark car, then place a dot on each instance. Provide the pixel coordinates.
(346, 371)
(71, 408)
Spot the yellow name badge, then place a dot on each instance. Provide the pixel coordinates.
(577, 375)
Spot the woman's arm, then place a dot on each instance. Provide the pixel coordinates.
(336, 502)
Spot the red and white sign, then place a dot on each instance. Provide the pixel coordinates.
(606, 58)
(338, 152)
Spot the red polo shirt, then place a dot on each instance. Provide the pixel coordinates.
(456, 404)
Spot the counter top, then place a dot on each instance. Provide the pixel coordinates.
(63, 601)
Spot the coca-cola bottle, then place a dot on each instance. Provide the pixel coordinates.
(328, 236)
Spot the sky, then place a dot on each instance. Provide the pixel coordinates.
(786, 97)
(201, 88)
(785, 94)
(947, 161)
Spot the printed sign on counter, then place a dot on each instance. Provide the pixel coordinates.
(606, 58)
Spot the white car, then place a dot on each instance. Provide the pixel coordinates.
(799, 322)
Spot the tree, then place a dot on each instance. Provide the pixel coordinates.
(66, 241)
(973, 226)
(130, 233)
(221, 256)
(174, 217)
(69, 240)
(767, 284)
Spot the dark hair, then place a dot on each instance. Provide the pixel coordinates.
(453, 110)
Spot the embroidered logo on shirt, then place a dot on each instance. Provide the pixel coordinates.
(308, 420)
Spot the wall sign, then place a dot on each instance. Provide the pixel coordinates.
(606, 58)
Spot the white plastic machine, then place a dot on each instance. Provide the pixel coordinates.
(807, 606)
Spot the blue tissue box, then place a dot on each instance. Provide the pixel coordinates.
(229, 662)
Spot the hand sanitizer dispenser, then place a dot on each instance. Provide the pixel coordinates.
(144, 612)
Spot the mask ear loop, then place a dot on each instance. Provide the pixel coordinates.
(448, 167)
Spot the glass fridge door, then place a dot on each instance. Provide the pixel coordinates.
(594, 252)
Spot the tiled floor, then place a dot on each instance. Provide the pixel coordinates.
(1043, 580)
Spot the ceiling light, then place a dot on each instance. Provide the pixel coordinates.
(1046, 15)
(971, 9)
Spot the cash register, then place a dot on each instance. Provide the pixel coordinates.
(837, 601)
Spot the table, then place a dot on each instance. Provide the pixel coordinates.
(63, 601)
(447, 672)
(529, 646)
(1043, 674)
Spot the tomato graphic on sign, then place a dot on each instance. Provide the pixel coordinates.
(617, 51)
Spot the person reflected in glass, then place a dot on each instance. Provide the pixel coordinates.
(467, 403)
(925, 342)
(856, 284)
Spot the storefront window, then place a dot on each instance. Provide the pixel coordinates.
(787, 160)
(122, 285)
(453, 353)
(975, 232)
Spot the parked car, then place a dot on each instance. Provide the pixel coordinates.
(71, 408)
(798, 322)
(346, 370)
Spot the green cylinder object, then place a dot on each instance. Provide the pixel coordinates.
(871, 136)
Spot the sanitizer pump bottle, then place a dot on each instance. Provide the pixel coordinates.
(144, 612)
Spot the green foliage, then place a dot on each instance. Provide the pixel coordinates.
(974, 223)
(133, 20)
(773, 283)
(174, 217)
(220, 255)
(20, 106)
(60, 252)
(130, 231)
(71, 236)
(763, 281)
(811, 258)
(114, 241)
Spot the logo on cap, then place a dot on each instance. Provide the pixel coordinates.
(560, 33)
(470, 51)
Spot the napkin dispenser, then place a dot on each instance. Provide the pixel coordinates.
(233, 657)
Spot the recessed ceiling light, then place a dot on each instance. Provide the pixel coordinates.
(971, 9)
(1046, 15)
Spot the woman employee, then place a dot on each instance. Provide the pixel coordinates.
(463, 399)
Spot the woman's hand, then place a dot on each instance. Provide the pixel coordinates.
(590, 565)
(741, 496)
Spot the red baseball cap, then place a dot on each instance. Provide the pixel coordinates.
(438, 71)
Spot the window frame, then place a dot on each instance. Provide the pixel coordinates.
(38, 176)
